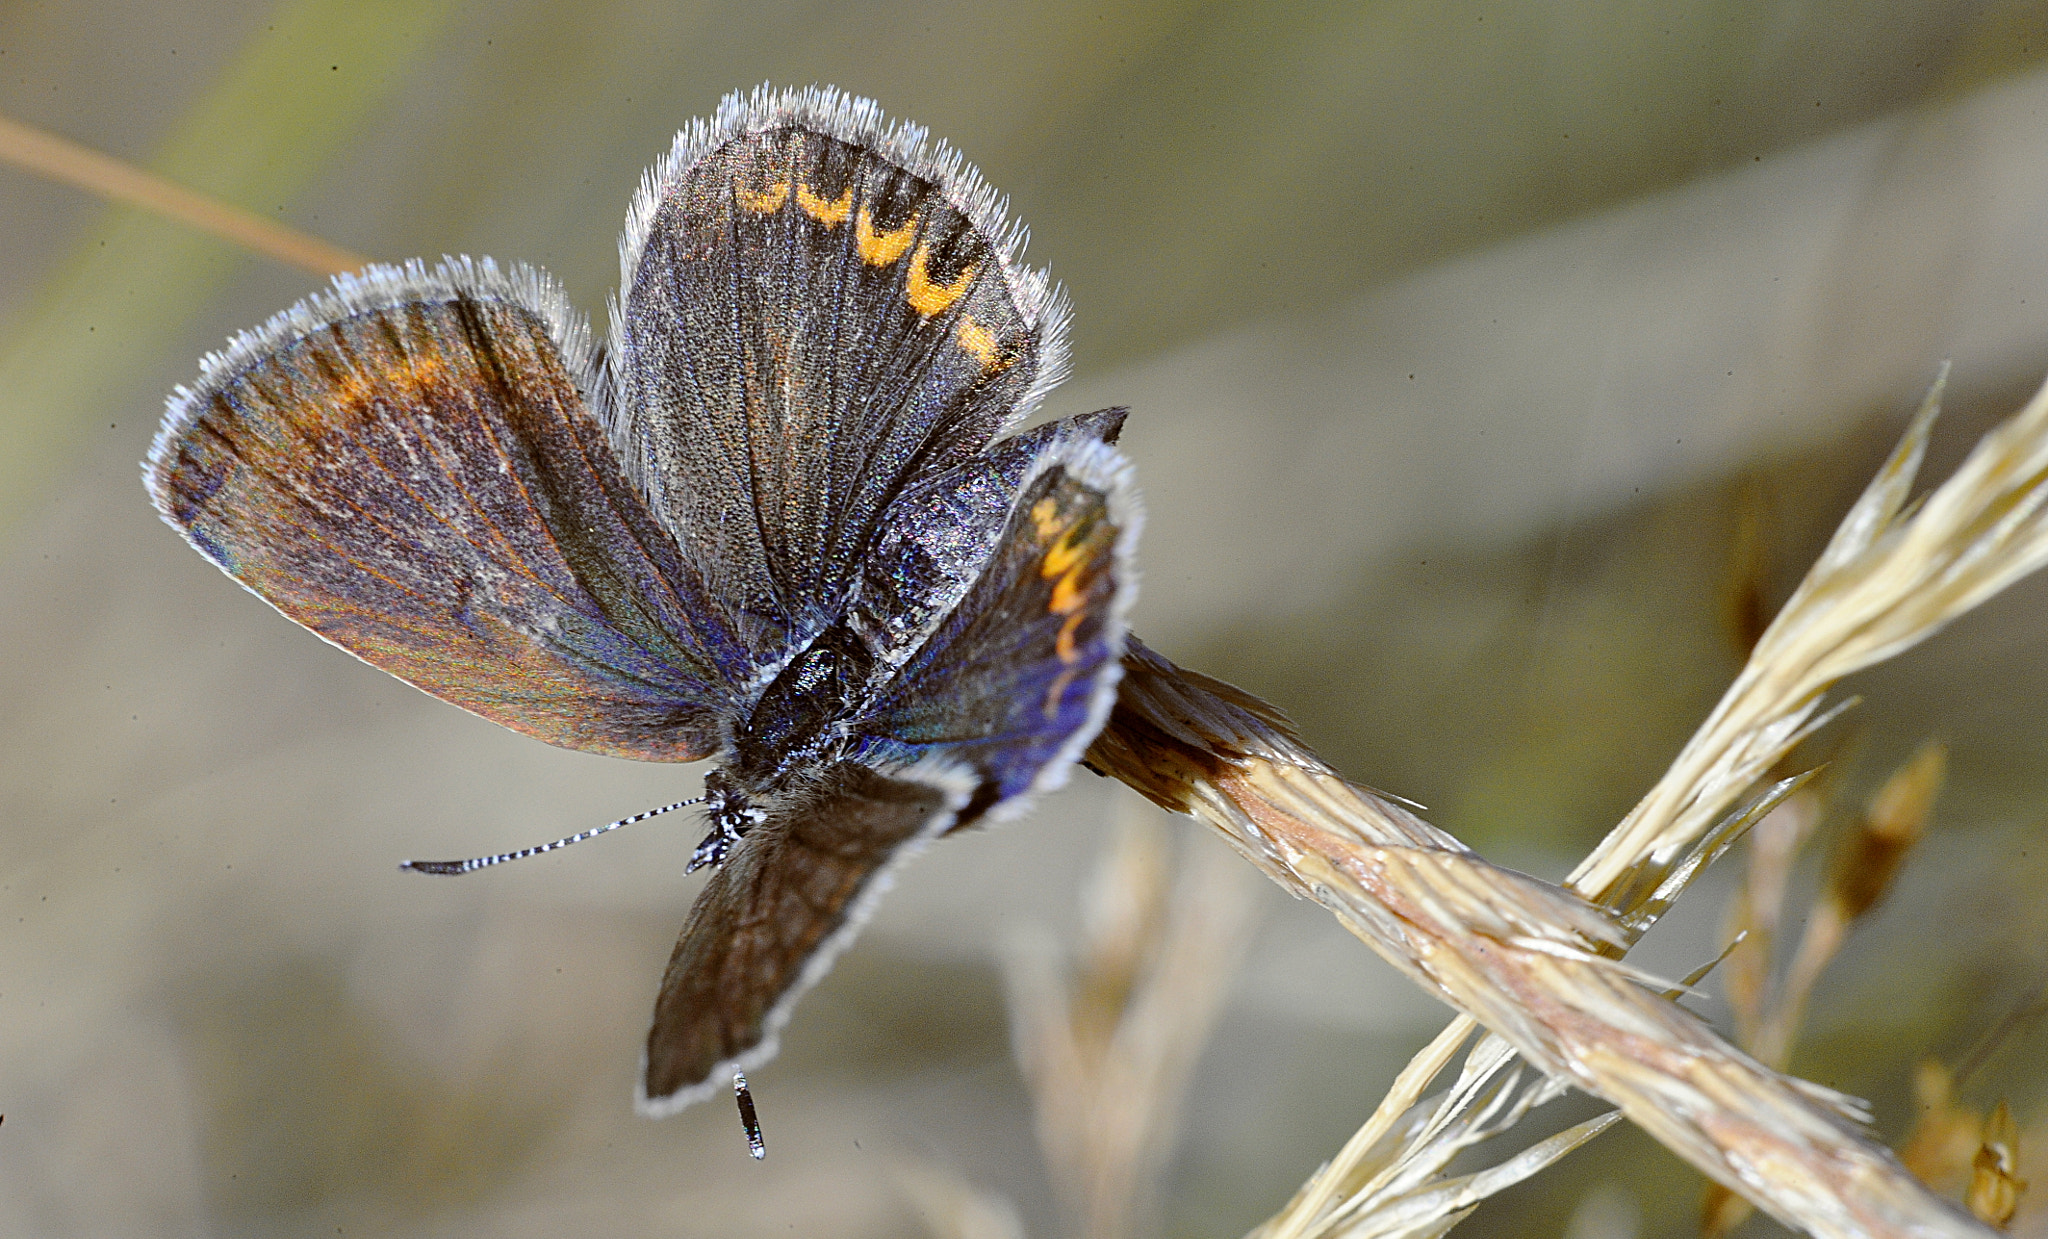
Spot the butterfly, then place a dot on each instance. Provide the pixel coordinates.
(781, 518)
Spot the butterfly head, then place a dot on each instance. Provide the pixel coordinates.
(731, 813)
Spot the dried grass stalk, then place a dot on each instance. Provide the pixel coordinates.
(1757, 914)
(1858, 881)
(1767, 1016)
(1391, 1184)
(1534, 963)
(67, 162)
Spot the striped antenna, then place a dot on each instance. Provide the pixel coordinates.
(450, 868)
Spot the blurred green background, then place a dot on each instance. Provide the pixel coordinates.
(1487, 362)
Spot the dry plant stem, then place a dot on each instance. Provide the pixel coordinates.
(1516, 954)
(1945, 1136)
(1756, 915)
(1889, 579)
(1862, 875)
(1524, 958)
(1826, 930)
(1865, 866)
(66, 161)
(1758, 910)
(1399, 1186)
(1348, 1172)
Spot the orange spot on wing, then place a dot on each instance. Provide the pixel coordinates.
(765, 202)
(425, 371)
(976, 341)
(389, 378)
(831, 214)
(406, 379)
(879, 249)
(926, 297)
(351, 392)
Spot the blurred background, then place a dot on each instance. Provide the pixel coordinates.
(1494, 364)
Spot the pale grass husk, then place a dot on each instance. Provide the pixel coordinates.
(1532, 962)
(1389, 1182)
(1108, 1040)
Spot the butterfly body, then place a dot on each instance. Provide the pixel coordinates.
(773, 522)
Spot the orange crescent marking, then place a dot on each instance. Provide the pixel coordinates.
(879, 249)
(1067, 595)
(1062, 557)
(1063, 645)
(831, 214)
(765, 202)
(926, 297)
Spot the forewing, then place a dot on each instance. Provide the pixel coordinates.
(408, 467)
(771, 920)
(1018, 677)
(816, 311)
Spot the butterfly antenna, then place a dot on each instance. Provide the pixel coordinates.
(450, 868)
(756, 1143)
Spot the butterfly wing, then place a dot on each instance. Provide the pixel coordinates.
(940, 534)
(408, 467)
(1015, 680)
(815, 312)
(772, 919)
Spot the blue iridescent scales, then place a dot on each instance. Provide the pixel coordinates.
(779, 526)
